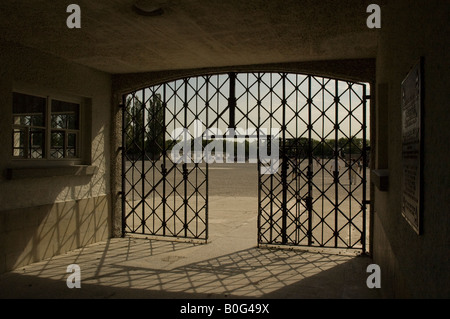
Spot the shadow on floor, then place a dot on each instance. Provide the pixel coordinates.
(142, 268)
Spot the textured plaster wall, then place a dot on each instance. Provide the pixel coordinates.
(24, 67)
(42, 216)
(414, 265)
(32, 234)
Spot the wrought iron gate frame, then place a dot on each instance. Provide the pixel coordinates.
(307, 230)
(285, 161)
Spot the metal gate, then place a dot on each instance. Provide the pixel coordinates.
(314, 193)
(318, 195)
(162, 197)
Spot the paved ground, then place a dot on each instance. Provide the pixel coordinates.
(241, 180)
(229, 266)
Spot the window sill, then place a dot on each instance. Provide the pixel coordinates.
(37, 172)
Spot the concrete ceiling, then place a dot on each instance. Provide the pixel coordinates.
(192, 33)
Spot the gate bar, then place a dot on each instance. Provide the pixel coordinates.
(207, 78)
(364, 208)
(284, 163)
(309, 171)
(143, 179)
(124, 144)
(185, 171)
(163, 168)
(232, 101)
(259, 159)
(336, 163)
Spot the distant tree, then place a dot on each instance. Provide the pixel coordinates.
(352, 145)
(144, 136)
(134, 141)
(154, 132)
(324, 149)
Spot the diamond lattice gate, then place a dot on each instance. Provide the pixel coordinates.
(305, 134)
(318, 195)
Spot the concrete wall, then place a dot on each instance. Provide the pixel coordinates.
(42, 215)
(413, 265)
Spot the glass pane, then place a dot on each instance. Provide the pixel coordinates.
(57, 145)
(28, 110)
(18, 152)
(37, 143)
(18, 143)
(37, 120)
(72, 145)
(59, 121)
(65, 115)
(72, 121)
(29, 120)
(21, 120)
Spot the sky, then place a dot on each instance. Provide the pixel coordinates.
(269, 90)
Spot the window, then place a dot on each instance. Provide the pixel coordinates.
(45, 128)
(28, 126)
(64, 129)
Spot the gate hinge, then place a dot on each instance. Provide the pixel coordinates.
(367, 97)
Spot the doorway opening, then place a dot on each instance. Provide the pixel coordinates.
(303, 138)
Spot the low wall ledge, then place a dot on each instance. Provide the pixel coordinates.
(380, 177)
(37, 172)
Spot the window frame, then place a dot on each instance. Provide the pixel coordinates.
(47, 159)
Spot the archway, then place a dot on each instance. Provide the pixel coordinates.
(306, 134)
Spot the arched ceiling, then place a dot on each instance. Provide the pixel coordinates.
(192, 33)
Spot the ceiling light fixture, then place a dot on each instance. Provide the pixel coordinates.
(147, 8)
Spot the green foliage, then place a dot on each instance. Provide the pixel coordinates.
(154, 139)
(300, 147)
(144, 136)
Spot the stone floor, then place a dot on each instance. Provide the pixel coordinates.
(228, 266)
